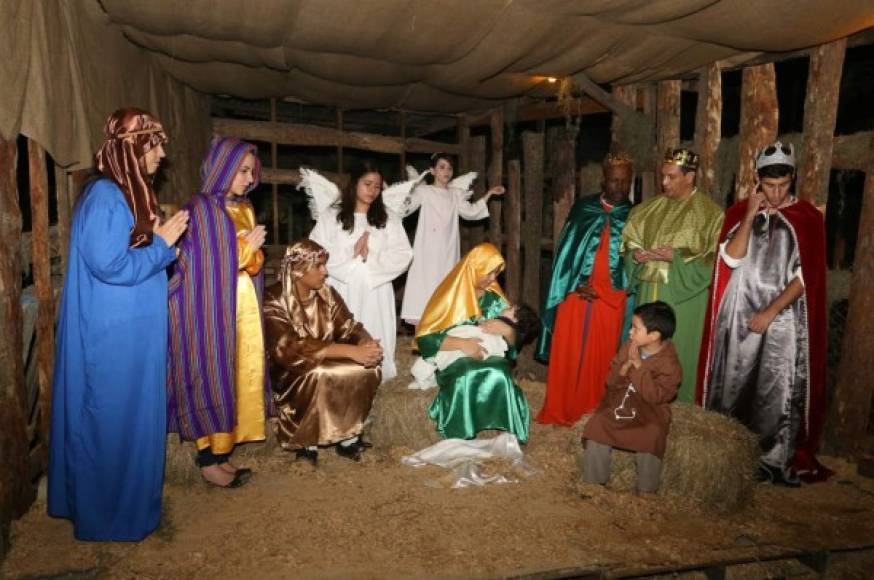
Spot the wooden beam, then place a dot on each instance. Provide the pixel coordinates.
(477, 149)
(42, 277)
(314, 136)
(604, 98)
(708, 128)
(563, 165)
(513, 238)
(759, 114)
(496, 174)
(667, 116)
(340, 165)
(853, 394)
(402, 166)
(820, 114)
(16, 493)
(292, 176)
(532, 151)
(536, 111)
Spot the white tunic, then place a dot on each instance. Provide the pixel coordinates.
(437, 247)
(366, 285)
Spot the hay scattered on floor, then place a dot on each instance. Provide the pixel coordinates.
(710, 460)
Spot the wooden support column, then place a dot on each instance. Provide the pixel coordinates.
(16, 493)
(532, 151)
(403, 162)
(853, 394)
(513, 238)
(274, 188)
(651, 174)
(340, 166)
(708, 129)
(668, 116)
(65, 213)
(820, 114)
(626, 94)
(496, 174)
(759, 114)
(42, 277)
(463, 166)
(477, 229)
(563, 169)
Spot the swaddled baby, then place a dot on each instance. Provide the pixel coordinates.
(520, 318)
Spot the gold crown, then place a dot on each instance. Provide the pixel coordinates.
(618, 158)
(682, 158)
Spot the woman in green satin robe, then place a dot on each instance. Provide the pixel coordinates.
(475, 394)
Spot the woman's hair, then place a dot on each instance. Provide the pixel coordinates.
(376, 214)
(435, 158)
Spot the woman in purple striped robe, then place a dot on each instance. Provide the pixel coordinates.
(217, 386)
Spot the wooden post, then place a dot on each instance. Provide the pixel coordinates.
(650, 176)
(563, 165)
(65, 211)
(274, 189)
(477, 145)
(42, 277)
(513, 238)
(759, 114)
(496, 174)
(626, 94)
(532, 150)
(339, 146)
(708, 129)
(668, 116)
(853, 394)
(463, 137)
(16, 493)
(820, 114)
(403, 162)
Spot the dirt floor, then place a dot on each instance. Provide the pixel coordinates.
(380, 519)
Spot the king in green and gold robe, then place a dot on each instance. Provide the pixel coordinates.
(691, 227)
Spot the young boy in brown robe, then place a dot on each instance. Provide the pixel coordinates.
(635, 412)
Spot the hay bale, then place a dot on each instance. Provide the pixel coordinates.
(399, 418)
(710, 459)
(179, 466)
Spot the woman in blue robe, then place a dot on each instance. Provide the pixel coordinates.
(108, 422)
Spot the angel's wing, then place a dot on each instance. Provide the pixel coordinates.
(396, 196)
(413, 173)
(464, 183)
(322, 192)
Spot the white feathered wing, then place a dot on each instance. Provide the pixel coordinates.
(396, 196)
(322, 192)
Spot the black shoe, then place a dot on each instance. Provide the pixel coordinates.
(311, 455)
(244, 474)
(353, 451)
(233, 484)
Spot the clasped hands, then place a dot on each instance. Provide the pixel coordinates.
(660, 254)
(368, 353)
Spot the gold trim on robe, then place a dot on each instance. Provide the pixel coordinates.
(250, 343)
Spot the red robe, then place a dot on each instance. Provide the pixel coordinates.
(584, 341)
(807, 223)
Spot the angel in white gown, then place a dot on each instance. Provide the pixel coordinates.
(368, 248)
(437, 247)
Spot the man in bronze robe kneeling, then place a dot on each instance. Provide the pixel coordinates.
(324, 365)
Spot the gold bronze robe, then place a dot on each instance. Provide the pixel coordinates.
(318, 401)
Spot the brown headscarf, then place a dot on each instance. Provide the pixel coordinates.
(130, 133)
